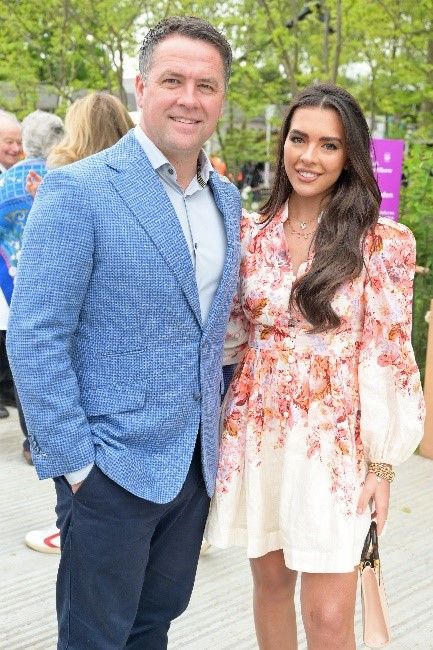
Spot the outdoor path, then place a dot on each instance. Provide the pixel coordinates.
(219, 616)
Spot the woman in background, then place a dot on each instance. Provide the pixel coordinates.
(93, 123)
(326, 396)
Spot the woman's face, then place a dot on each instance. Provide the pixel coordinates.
(314, 151)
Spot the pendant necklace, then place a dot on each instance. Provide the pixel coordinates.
(302, 235)
(303, 226)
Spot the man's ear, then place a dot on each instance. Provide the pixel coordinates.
(139, 90)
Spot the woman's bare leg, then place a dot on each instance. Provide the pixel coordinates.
(328, 610)
(274, 609)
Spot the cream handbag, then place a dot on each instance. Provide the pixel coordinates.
(375, 614)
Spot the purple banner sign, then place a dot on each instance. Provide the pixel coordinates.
(387, 158)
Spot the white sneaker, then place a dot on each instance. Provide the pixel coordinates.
(44, 541)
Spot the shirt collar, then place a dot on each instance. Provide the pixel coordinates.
(2, 168)
(158, 160)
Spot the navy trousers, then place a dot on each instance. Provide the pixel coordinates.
(128, 565)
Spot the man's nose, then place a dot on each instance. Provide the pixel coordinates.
(16, 148)
(188, 96)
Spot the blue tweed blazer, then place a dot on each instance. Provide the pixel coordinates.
(105, 339)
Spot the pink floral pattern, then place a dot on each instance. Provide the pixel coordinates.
(337, 398)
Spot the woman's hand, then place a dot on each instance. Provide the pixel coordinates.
(377, 491)
(33, 181)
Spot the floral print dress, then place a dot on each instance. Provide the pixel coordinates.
(306, 412)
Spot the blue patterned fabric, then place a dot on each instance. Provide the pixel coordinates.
(15, 204)
(112, 364)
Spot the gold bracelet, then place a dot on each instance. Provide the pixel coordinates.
(382, 471)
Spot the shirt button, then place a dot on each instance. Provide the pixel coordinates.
(195, 246)
(197, 397)
(171, 171)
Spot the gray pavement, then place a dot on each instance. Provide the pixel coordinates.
(219, 616)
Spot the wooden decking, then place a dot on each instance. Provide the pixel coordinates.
(219, 616)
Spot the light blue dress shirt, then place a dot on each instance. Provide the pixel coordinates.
(202, 225)
(201, 221)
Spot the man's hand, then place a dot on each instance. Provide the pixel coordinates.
(379, 493)
(76, 486)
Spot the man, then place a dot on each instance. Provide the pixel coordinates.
(10, 152)
(10, 140)
(40, 132)
(128, 269)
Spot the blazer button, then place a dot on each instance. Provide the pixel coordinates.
(197, 397)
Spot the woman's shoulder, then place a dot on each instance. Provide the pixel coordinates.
(251, 218)
(250, 223)
(391, 245)
(388, 228)
(388, 234)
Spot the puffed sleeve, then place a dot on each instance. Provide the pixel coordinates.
(238, 327)
(392, 405)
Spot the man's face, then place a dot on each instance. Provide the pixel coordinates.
(182, 97)
(10, 144)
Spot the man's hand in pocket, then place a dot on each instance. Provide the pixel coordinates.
(76, 486)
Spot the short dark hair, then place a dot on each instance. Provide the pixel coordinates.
(191, 27)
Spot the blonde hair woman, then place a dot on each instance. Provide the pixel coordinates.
(93, 123)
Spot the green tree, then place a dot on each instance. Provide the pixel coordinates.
(69, 45)
(417, 213)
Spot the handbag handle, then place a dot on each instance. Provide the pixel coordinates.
(370, 551)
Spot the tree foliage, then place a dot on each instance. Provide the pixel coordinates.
(381, 49)
(69, 45)
(417, 213)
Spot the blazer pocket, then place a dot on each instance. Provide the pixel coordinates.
(114, 384)
(101, 400)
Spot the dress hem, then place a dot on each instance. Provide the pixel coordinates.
(294, 559)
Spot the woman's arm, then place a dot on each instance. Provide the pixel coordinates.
(392, 406)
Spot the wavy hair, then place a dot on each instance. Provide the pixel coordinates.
(351, 211)
(93, 123)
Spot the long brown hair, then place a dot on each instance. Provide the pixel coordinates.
(93, 123)
(353, 207)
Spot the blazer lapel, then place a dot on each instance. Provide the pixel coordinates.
(223, 195)
(231, 211)
(144, 194)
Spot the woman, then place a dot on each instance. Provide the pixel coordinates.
(93, 123)
(326, 396)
